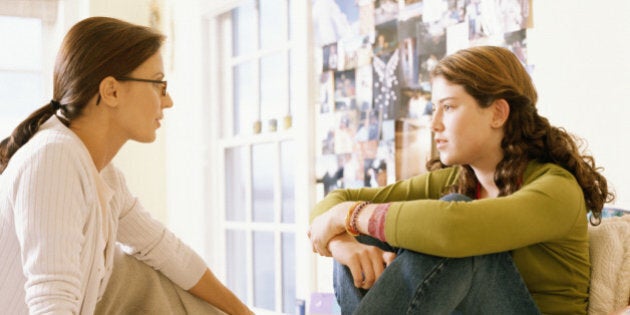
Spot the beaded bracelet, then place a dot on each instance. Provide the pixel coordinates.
(353, 216)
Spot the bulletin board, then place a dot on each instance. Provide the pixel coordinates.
(374, 109)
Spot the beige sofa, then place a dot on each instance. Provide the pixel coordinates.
(610, 263)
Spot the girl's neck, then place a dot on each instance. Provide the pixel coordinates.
(487, 188)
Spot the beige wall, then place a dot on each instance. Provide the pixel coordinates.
(581, 53)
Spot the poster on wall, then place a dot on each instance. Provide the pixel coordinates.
(374, 114)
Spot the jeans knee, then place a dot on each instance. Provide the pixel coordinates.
(455, 197)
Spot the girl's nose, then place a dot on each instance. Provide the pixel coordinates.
(436, 121)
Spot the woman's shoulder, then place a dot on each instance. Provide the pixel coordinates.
(51, 146)
(448, 174)
(552, 177)
(537, 169)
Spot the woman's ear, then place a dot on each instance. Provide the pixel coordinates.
(500, 112)
(108, 90)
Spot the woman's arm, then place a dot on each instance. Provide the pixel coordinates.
(211, 290)
(50, 216)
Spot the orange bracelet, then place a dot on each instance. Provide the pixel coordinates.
(352, 217)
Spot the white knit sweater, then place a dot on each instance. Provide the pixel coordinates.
(59, 222)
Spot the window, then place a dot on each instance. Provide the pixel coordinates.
(262, 152)
(21, 72)
(29, 37)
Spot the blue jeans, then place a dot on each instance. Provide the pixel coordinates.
(416, 283)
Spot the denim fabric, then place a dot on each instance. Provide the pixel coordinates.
(416, 283)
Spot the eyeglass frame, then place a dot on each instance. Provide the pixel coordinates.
(164, 92)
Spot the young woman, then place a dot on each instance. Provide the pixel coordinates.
(64, 206)
(499, 226)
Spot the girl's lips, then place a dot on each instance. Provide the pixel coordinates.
(439, 143)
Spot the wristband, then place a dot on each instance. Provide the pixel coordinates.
(353, 216)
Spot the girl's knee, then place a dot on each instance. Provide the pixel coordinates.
(455, 197)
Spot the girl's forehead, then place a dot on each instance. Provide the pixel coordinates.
(442, 89)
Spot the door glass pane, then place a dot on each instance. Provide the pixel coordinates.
(245, 98)
(288, 188)
(274, 86)
(291, 22)
(236, 263)
(235, 179)
(273, 23)
(21, 40)
(264, 270)
(21, 92)
(21, 80)
(244, 28)
(288, 272)
(263, 172)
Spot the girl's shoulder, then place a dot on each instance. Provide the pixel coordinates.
(537, 169)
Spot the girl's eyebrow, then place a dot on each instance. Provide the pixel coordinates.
(444, 99)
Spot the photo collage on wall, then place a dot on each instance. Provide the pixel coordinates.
(375, 56)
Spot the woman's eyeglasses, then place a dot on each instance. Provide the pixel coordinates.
(163, 83)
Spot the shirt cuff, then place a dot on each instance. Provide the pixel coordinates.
(376, 225)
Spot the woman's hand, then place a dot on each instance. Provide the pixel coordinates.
(366, 262)
(328, 225)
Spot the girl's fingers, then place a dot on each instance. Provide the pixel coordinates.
(388, 257)
(368, 274)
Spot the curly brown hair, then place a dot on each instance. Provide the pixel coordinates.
(489, 73)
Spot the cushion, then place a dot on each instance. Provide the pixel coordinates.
(610, 265)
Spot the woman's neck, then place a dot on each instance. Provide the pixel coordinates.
(97, 138)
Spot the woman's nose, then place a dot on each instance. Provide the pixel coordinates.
(167, 101)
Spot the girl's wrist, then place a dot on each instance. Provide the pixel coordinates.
(364, 219)
(338, 220)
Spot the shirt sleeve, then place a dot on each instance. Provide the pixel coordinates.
(49, 214)
(546, 208)
(151, 242)
(425, 186)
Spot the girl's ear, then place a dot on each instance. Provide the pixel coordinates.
(108, 90)
(500, 112)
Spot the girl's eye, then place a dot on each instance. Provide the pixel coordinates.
(446, 106)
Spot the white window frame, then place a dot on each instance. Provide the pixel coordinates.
(219, 97)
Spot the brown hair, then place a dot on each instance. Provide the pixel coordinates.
(489, 73)
(93, 49)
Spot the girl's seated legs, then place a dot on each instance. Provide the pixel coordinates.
(416, 283)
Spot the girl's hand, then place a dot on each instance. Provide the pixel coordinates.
(328, 225)
(366, 262)
(623, 311)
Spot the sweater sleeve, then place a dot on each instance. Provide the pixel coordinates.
(546, 208)
(425, 186)
(49, 214)
(151, 242)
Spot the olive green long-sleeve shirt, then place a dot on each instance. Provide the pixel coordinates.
(544, 224)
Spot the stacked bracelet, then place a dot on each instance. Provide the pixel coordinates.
(352, 217)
